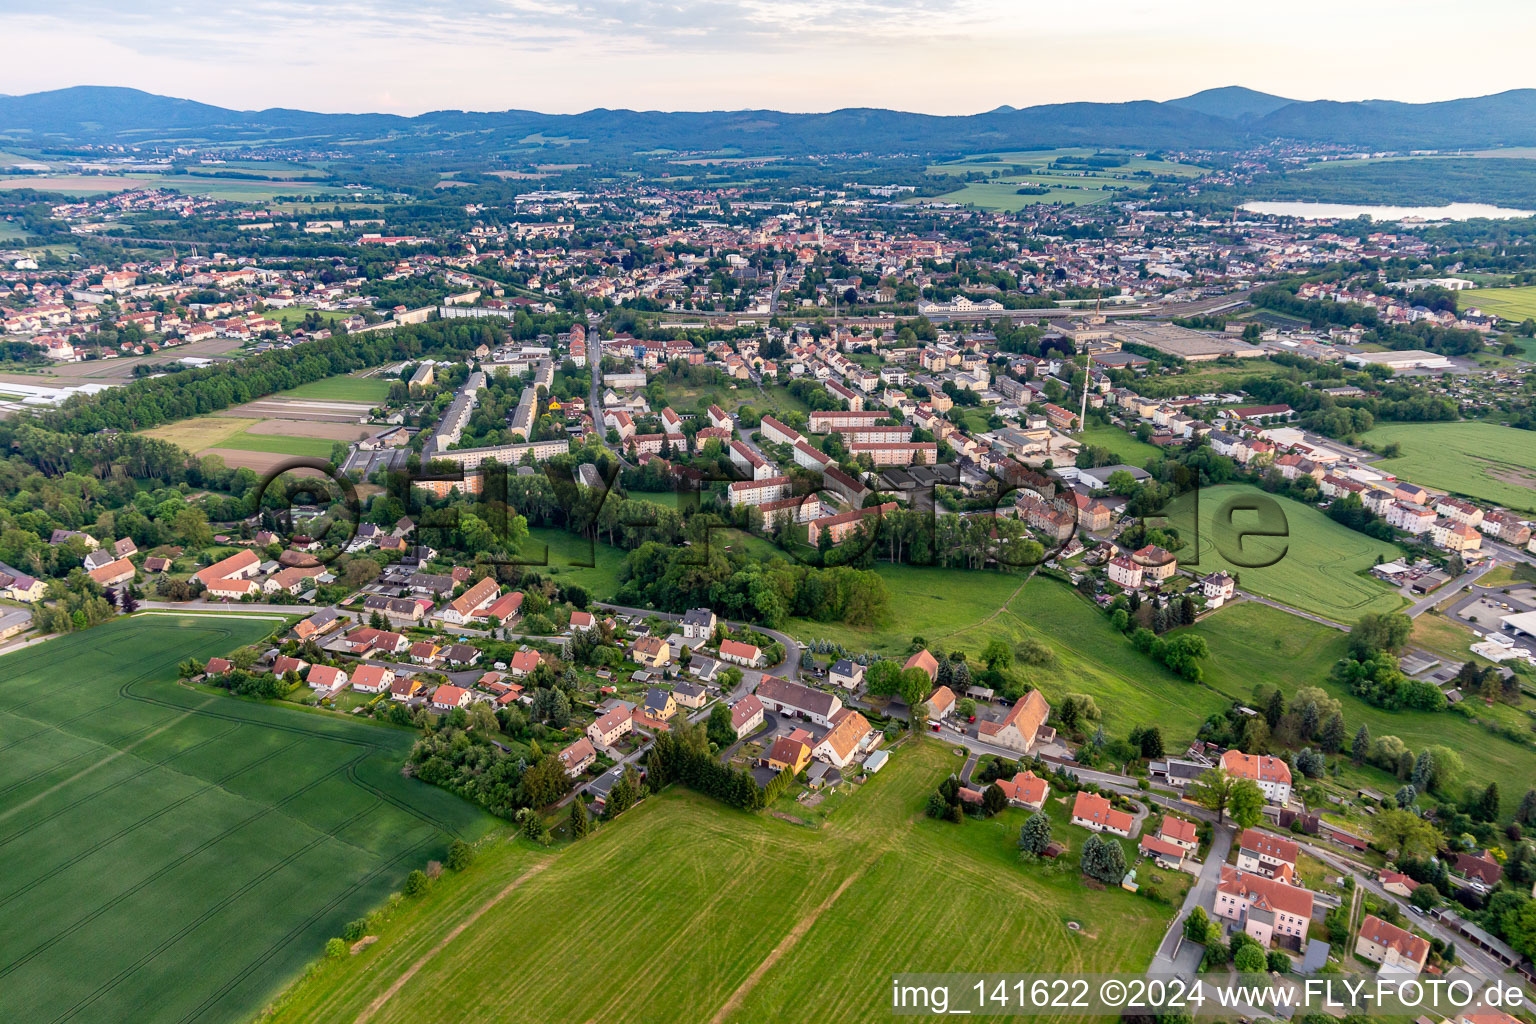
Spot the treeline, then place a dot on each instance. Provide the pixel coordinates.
(1343, 417)
(146, 403)
(682, 755)
(1322, 313)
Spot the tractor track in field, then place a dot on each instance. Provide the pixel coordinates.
(149, 766)
(127, 829)
(164, 869)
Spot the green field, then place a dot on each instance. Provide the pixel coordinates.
(563, 550)
(296, 314)
(745, 917)
(193, 849)
(1479, 460)
(1319, 560)
(277, 444)
(217, 188)
(1002, 195)
(343, 389)
(1131, 451)
(1252, 644)
(953, 609)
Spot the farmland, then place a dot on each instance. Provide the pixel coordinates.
(1319, 564)
(1072, 186)
(1252, 644)
(745, 912)
(196, 850)
(1478, 460)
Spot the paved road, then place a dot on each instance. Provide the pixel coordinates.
(1451, 589)
(1174, 955)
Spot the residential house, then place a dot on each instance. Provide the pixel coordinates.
(1394, 948)
(940, 703)
(523, 663)
(1271, 773)
(1479, 868)
(403, 688)
(113, 573)
(659, 704)
(325, 678)
(1124, 572)
(1268, 909)
(850, 734)
(1157, 564)
(846, 673)
(242, 565)
(1260, 853)
(578, 757)
(689, 695)
(1023, 728)
(746, 715)
(1025, 789)
(1396, 883)
(698, 624)
(608, 728)
(1093, 811)
(788, 754)
(925, 661)
(651, 652)
(372, 678)
(446, 698)
(463, 608)
(740, 654)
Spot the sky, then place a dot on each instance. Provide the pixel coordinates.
(933, 56)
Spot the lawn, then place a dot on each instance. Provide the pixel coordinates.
(1478, 460)
(296, 314)
(1253, 644)
(747, 918)
(1319, 561)
(343, 389)
(1002, 195)
(1126, 447)
(195, 850)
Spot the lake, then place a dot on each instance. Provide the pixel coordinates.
(1346, 211)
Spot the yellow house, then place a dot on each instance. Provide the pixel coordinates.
(788, 755)
(652, 652)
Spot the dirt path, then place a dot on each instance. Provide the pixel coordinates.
(787, 943)
(458, 929)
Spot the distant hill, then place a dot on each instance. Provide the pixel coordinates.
(1226, 118)
(1232, 101)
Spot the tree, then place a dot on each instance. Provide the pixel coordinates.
(416, 883)
(1404, 834)
(997, 655)
(1103, 859)
(1035, 833)
(1213, 791)
(719, 727)
(460, 855)
(545, 781)
(1197, 926)
(993, 800)
(1360, 749)
(1425, 897)
(580, 823)
(1246, 803)
(1275, 709)
(1487, 808)
(335, 948)
(1250, 960)
(1406, 795)
(1526, 815)
(1519, 925)
(1332, 737)
(1151, 742)
(1377, 632)
(1423, 773)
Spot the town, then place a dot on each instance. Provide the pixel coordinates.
(1160, 567)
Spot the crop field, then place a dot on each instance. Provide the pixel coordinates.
(1318, 564)
(234, 434)
(195, 850)
(1479, 460)
(1252, 644)
(1004, 195)
(744, 914)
